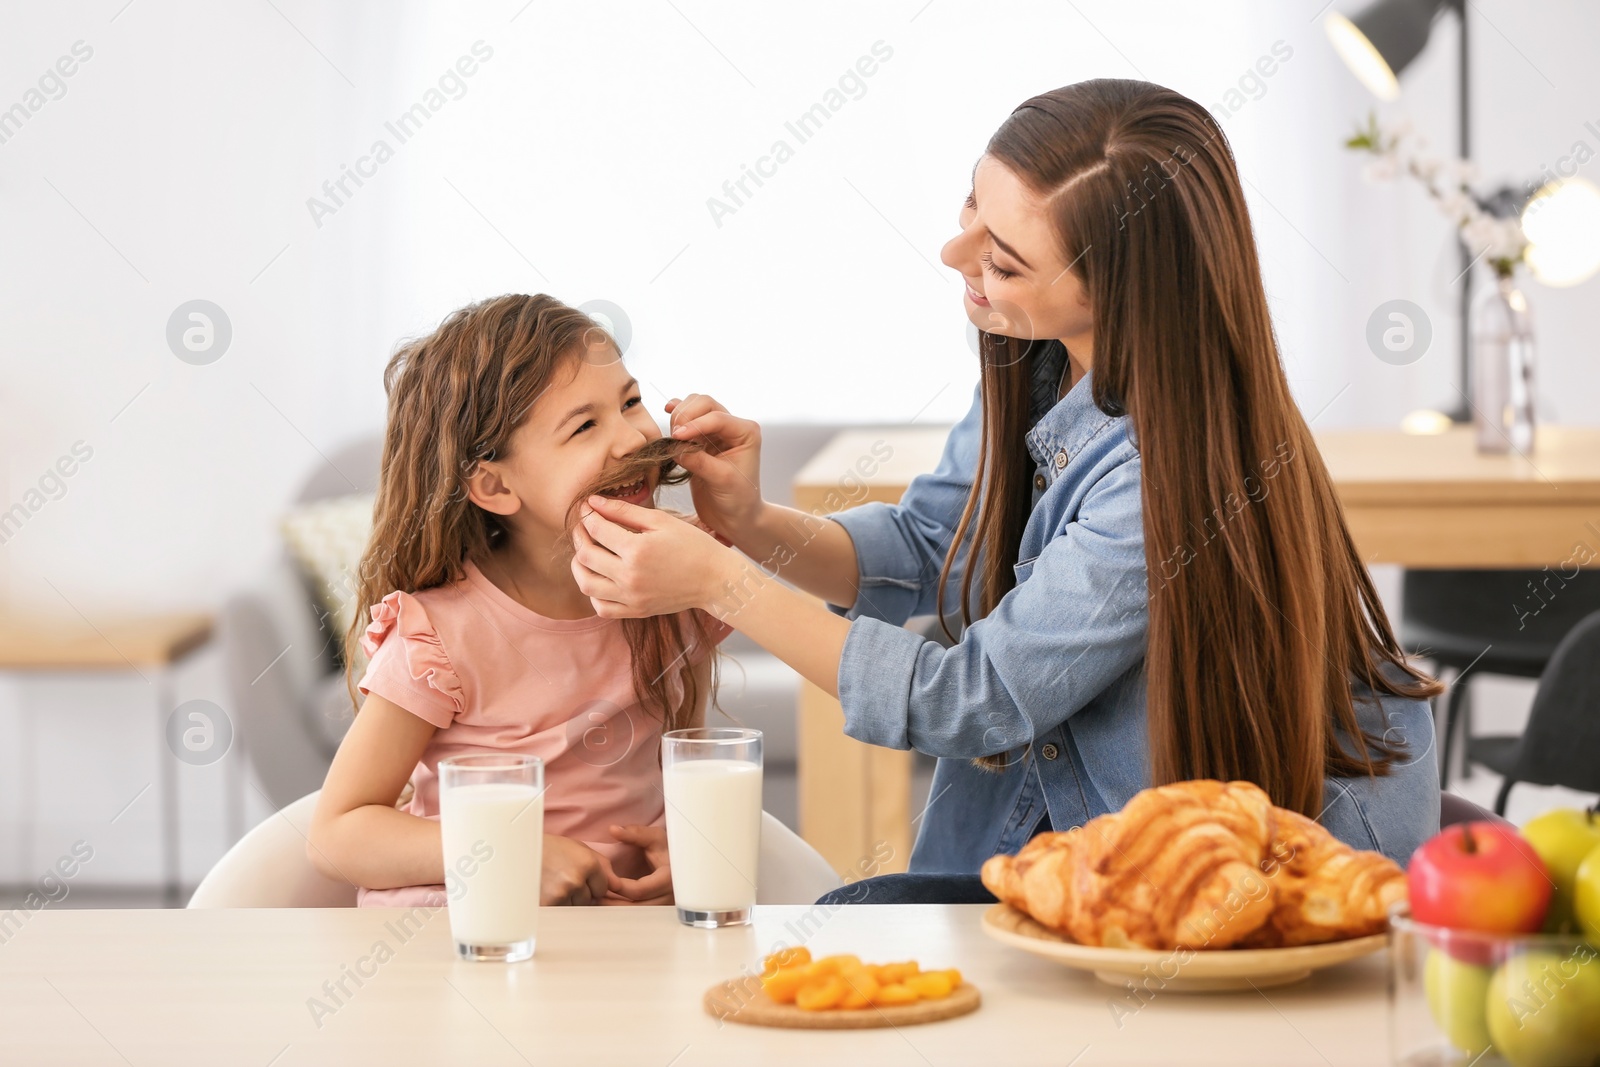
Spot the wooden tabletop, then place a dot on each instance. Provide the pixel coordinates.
(1420, 500)
(1386, 466)
(108, 644)
(606, 986)
(1436, 501)
(1369, 466)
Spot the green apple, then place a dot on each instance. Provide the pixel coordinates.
(1586, 897)
(1457, 992)
(1543, 1007)
(1562, 838)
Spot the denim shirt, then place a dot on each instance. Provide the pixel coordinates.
(1054, 674)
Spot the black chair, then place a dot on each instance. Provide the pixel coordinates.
(1489, 621)
(1454, 809)
(1561, 743)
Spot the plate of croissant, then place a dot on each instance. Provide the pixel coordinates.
(1195, 886)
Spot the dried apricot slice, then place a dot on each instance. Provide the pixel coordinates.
(782, 985)
(789, 957)
(836, 964)
(894, 994)
(820, 995)
(861, 988)
(932, 985)
(894, 973)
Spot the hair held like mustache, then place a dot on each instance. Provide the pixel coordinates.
(657, 460)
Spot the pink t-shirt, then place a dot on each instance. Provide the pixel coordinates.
(494, 675)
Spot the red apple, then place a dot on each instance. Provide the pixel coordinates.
(1479, 876)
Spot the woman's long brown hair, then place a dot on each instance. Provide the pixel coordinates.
(456, 397)
(1257, 630)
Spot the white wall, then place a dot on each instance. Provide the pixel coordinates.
(579, 161)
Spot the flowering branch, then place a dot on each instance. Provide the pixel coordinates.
(1397, 149)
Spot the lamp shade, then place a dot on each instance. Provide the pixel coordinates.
(1382, 40)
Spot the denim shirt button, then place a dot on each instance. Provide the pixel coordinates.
(1061, 459)
(1050, 751)
(1038, 481)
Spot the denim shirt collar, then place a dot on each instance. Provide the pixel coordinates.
(1063, 426)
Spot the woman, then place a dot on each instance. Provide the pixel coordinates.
(1165, 587)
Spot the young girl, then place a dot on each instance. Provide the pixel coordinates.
(499, 423)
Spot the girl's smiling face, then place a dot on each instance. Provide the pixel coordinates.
(1009, 258)
(588, 419)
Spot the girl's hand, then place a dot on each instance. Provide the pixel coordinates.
(653, 888)
(727, 476)
(633, 562)
(573, 873)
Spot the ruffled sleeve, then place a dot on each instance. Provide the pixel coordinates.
(408, 664)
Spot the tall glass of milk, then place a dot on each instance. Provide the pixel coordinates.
(711, 777)
(491, 820)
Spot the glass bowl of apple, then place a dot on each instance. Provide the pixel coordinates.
(1496, 959)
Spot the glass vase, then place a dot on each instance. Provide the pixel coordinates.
(1502, 368)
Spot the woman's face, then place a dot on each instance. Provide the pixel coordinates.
(1007, 254)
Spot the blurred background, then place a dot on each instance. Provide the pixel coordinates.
(205, 152)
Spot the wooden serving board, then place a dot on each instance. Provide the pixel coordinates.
(743, 1001)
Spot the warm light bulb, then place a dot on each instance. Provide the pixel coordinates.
(1361, 57)
(1562, 224)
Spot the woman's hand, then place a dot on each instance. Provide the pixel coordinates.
(573, 873)
(633, 562)
(727, 476)
(653, 888)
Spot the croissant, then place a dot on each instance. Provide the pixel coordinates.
(1200, 865)
(1325, 890)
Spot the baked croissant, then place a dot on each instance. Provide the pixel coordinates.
(1200, 865)
(1325, 890)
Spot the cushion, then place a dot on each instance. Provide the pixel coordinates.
(326, 538)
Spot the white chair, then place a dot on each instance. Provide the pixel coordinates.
(789, 871)
(268, 868)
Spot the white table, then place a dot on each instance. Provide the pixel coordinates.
(607, 986)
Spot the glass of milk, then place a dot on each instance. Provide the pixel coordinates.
(711, 777)
(491, 820)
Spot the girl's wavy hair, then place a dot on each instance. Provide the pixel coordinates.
(1253, 640)
(456, 397)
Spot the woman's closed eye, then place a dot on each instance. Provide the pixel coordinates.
(999, 272)
(971, 204)
(626, 404)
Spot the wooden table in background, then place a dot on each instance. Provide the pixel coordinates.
(1420, 501)
(150, 647)
(855, 798)
(1434, 501)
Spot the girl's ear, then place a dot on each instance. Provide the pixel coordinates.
(487, 489)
